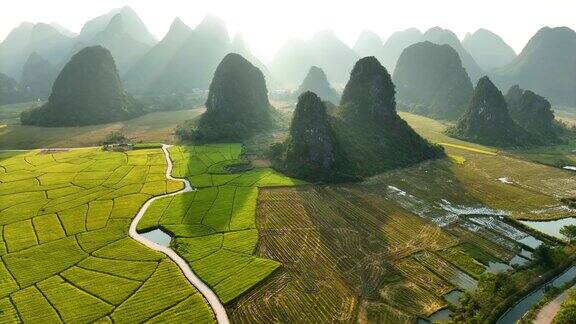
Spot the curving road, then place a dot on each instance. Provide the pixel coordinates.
(215, 304)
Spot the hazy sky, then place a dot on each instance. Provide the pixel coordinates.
(266, 24)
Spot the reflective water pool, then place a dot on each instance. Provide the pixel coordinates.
(158, 236)
(551, 227)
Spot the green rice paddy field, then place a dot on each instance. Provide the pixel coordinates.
(214, 227)
(66, 256)
(273, 249)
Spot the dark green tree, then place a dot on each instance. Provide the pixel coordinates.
(569, 231)
(543, 255)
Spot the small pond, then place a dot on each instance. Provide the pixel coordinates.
(495, 267)
(530, 241)
(518, 260)
(551, 227)
(441, 316)
(158, 236)
(453, 297)
(527, 254)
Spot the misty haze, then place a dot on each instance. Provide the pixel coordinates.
(298, 162)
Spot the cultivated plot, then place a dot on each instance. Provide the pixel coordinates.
(349, 254)
(214, 227)
(66, 255)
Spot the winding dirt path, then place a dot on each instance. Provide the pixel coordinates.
(215, 304)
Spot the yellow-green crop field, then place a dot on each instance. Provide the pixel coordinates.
(66, 255)
(214, 227)
(367, 252)
(348, 255)
(508, 180)
(373, 251)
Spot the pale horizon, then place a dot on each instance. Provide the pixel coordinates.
(267, 26)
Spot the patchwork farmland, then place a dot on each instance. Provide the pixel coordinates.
(393, 248)
(214, 227)
(66, 256)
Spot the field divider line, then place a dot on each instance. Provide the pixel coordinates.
(209, 295)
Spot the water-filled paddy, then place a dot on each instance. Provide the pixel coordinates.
(551, 227)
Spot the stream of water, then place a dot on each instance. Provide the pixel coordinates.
(518, 310)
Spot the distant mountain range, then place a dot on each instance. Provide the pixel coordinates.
(430, 80)
(396, 43)
(186, 58)
(369, 44)
(42, 39)
(488, 49)
(546, 65)
(324, 50)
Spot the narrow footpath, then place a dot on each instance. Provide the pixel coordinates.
(209, 295)
(548, 312)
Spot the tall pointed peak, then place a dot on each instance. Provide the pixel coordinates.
(116, 24)
(127, 10)
(178, 26)
(370, 92)
(213, 26)
(211, 20)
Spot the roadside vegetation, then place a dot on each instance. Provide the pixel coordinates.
(567, 313)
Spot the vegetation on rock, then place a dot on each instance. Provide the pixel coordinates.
(237, 105)
(87, 91)
(372, 135)
(534, 114)
(487, 121)
(431, 81)
(444, 36)
(317, 82)
(311, 151)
